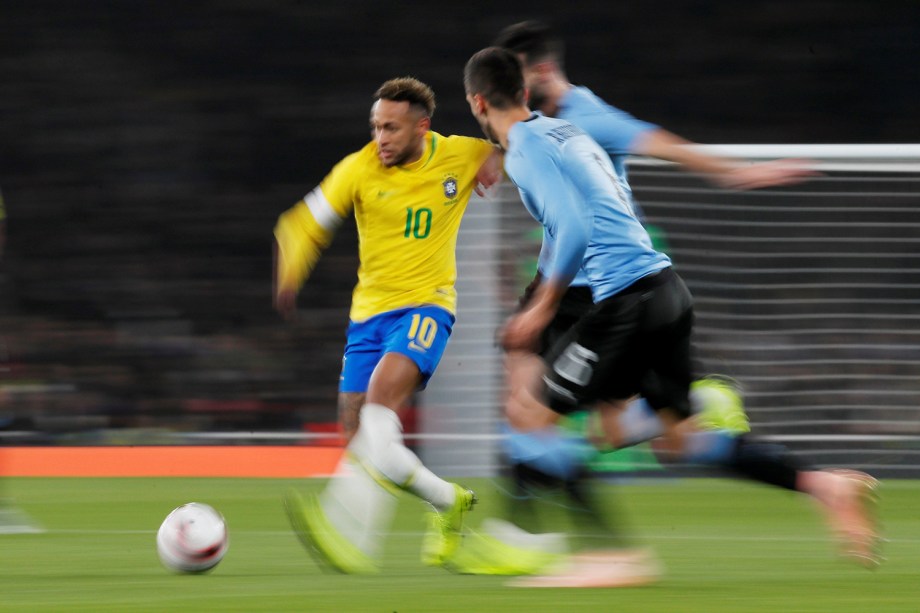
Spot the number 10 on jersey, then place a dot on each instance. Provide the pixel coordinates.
(418, 223)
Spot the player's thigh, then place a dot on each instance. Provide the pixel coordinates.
(523, 404)
(667, 331)
(666, 384)
(394, 381)
(598, 358)
(413, 343)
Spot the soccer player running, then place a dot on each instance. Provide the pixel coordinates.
(543, 458)
(408, 189)
(637, 338)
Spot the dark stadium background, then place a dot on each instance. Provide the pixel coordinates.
(146, 149)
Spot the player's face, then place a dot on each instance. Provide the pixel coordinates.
(533, 83)
(399, 131)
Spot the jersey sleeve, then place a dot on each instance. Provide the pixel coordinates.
(304, 230)
(615, 130)
(565, 217)
(479, 150)
(474, 150)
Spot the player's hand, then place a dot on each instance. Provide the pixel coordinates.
(518, 334)
(522, 331)
(489, 173)
(286, 303)
(768, 174)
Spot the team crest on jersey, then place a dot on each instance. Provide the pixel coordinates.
(451, 189)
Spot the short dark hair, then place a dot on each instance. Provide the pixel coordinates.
(408, 89)
(496, 74)
(534, 40)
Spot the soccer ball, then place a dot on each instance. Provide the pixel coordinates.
(192, 539)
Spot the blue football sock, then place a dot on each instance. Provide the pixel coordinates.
(548, 450)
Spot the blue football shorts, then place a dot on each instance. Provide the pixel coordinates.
(419, 333)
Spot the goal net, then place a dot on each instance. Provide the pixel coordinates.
(808, 296)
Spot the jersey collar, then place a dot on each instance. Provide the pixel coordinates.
(431, 144)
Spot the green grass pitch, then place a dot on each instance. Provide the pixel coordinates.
(727, 546)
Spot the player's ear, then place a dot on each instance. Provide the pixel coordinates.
(424, 124)
(479, 103)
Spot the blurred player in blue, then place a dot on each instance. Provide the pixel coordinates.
(551, 460)
(636, 340)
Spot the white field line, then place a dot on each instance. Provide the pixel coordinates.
(657, 537)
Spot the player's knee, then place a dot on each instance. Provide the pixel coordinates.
(379, 442)
(395, 378)
(526, 413)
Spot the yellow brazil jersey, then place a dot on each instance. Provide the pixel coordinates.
(407, 216)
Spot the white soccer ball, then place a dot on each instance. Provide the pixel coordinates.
(192, 539)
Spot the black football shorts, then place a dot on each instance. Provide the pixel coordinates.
(634, 342)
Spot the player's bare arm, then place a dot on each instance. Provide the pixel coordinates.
(490, 172)
(725, 172)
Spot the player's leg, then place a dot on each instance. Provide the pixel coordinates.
(545, 459)
(355, 504)
(524, 409)
(359, 501)
(847, 497)
(594, 362)
(344, 526)
(379, 441)
(546, 467)
(531, 446)
(715, 402)
(350, 404)
(843, 494)
(414, 345)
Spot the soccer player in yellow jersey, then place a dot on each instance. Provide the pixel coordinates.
(408, 189)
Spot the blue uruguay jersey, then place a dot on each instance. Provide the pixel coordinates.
(569, 184)
(614, 130)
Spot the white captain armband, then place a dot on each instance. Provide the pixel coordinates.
(322, 211)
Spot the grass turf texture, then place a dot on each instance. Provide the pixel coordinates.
(728, 547)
